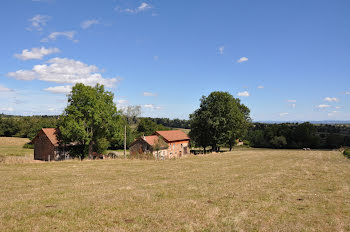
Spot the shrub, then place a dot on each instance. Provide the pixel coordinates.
(28, 146)
(347, 153)
(142, 156)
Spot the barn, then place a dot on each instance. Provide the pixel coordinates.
(47, 146)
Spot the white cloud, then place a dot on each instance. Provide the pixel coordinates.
(63, 70)
(88, 23)
(347, 93)
(26, 75)
(38, 22)
(322, 106)
(149, 106)
(221, 50)
(283, 114)
(143, 7)
(4, 89)
(8, 109)
(122, 101)
(338, 107)
(242, 59)
(244, 94)
(333, 113)
(149, 94)
(68, 34)
(36, 53)
(292, 101)
(60, 89)
(293, 105)
(152, 107)
(331, 99)
(260, 87)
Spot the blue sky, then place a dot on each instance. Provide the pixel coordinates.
(286, 60)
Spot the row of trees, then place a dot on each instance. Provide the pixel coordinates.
(172, 123)
(290, 135)
(25, 127)
(92, 120)
(221, 119)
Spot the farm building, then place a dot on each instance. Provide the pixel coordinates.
(47, 146)
(162, 144)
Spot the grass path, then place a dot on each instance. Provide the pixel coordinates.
(253, 190)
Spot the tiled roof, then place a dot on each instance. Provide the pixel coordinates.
(51, 134)
(151, 140)
(173, 135)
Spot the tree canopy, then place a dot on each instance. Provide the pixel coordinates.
(91, 119)
(219, 121)
(147, 127)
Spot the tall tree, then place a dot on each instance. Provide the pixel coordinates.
(220, 119)
(91, 118)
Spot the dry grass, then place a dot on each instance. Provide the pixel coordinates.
(11, 150)
(248, 190)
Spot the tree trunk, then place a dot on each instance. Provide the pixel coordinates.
(213, 148)
(90, 150)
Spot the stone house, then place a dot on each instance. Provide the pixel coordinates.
(47, 146)
(162, 144)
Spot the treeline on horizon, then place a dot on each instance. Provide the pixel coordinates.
(295, 135)
(29, 126)
(259, 135)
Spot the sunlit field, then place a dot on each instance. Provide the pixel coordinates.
(244, 190)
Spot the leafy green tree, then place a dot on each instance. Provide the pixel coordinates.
(256, 138)
(147, 126)
(8, 127)
(220, 119)
(200, 129)
(91, 118)
(305, 135)
(278, 141)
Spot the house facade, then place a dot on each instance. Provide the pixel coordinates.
(47, 147)
(162, 144)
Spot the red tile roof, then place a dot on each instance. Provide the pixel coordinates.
(151, 140)
(51, 134)
(173, 135)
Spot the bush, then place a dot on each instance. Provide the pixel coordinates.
(347, 153)
(142, 156)
(28, 146)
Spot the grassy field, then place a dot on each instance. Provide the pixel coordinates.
(11, 150)
(246, 190)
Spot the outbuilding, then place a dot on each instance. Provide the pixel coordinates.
(47, 146)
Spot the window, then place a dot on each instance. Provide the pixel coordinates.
(181, 145)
